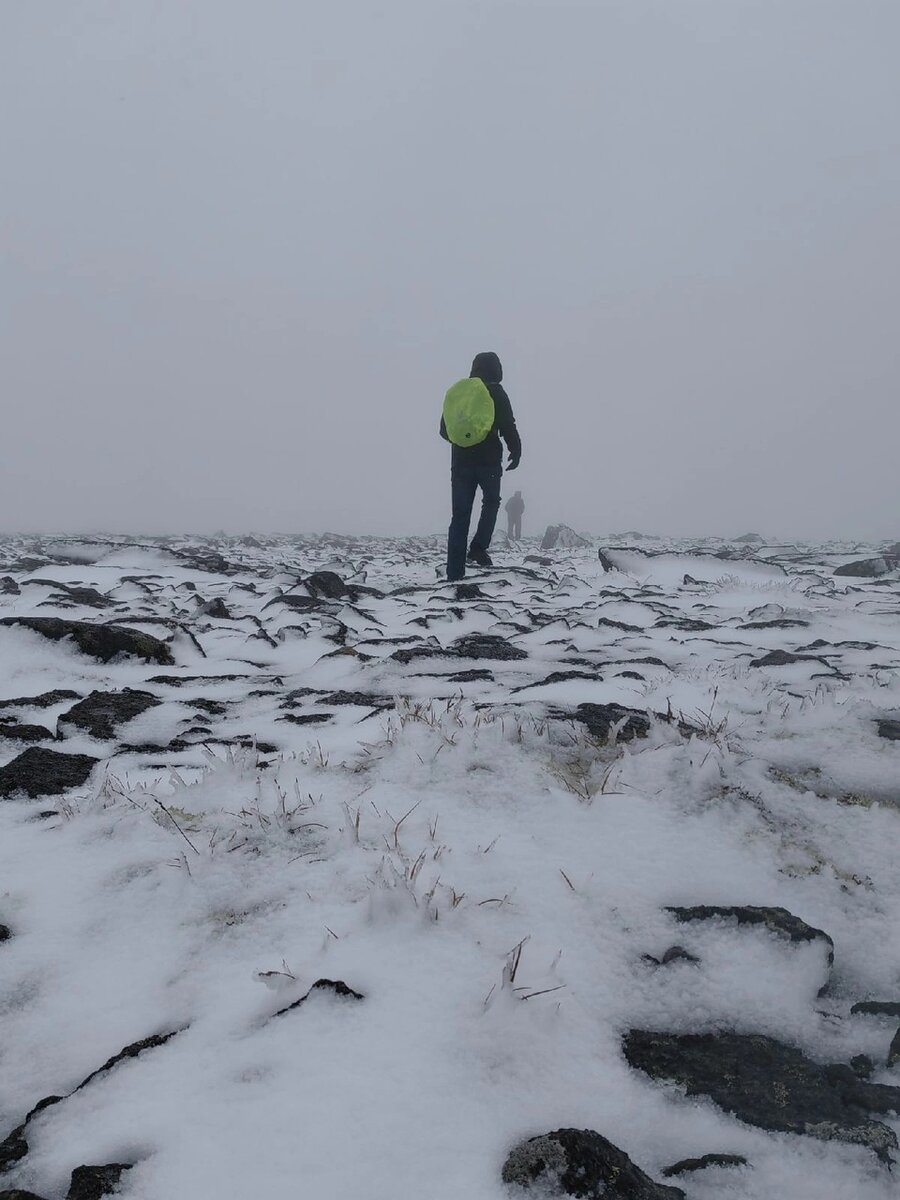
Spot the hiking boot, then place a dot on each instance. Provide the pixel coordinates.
(479, 556)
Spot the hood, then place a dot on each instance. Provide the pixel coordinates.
(486, 367)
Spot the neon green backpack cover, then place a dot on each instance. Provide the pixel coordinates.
(468, 412)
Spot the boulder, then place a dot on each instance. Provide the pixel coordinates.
(100, 713)
(777, 920)
(104, 642)
(768, 1084)
(750, 537)
(562, 537)
(889, 729)
(580, 1162)
(487, 646)
(865, 568)
(686, 1165)
(877, 1008)
(41, 772)
(93, 1183)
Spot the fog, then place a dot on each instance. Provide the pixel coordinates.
(245, 248)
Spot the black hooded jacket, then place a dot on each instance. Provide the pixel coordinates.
(487, 368)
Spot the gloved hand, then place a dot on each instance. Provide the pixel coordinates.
(512, 463)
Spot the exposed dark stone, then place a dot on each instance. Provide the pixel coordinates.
(104, 642)
(890, 729)
(865, 568)
(776, 920)
(605, 562)
(562, 537)
(487, 645)
(13, 1148)
(600, 719)
(93, 1183)
(468, 591)
(217, 609)
(215, 708)
(323, 985)
(330, 585)
(9, 587)
(862, 1065)
(749, 537)
(783, 658)
(476, 675)
(678, 954)
(25, 733)
(44, 700)
(18, 1194)
(87, 596)
(894, 1051)
(100, 713)
(606, 623)
(776, 623)
(306, 718)
(539, 559)
(41, 772)
(579, 1162)
(5, 933)
(359, 699)
(297, 603)
(768, 1084)
(877, 1008)
(629, 675)
(700, 1164)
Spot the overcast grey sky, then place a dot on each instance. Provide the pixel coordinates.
(246, 247)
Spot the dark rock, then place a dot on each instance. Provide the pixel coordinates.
(13, 1148)
(894, 1051)
(306, 718)
(297, 603)
(688, 624)
(337, 986)
(776, 623)
(700, 1164)
(865, 568)
(767, 1084)
(690, 581)
(605, 562)
(100, 713)
(18, 1194)
(41, 772)
(776, 920)
(5, 933)
(87, 596)
(9, 587)
(44, 700)
(488, 646)
(606, 623)
(25, 733)
(629, 675)
(877, 1008)
(600, 719)
(429, 650)
(476, 675)
(862, 1065)
(468, 591)
(889, 729)
(539, 559)
(579, 1162)
(750, 537)
(215, 708)
(678, 954)
(560, 677)
(783, 658)
(562, 537)
(217, 609)
(330, 585)
(93, 1183)
(104, 642)
(359, 699)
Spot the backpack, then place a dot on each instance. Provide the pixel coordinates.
(468, 412)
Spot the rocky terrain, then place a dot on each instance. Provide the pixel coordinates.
(322, 877)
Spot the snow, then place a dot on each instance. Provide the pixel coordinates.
(409, 852)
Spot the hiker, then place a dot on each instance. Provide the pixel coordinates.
(477, 413)
(515, 506)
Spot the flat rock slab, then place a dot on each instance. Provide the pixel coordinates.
(580, 1162)
(104, 642)
(44, 700)
(890, 729)
(686, 1165)
(25, 733)
(487, 646)
(769, 1085)
(41, 772)
(100, 713)
(877, 1008)
(865, 568)
(776, 920)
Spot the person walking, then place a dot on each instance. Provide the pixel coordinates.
(515, 506)
(477, 414)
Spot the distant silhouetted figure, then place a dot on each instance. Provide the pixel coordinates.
(477, 413)
(515, 506)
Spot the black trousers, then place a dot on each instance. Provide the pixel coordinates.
(466, 477)
(513, 527)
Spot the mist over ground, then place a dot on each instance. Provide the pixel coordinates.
(244, 250)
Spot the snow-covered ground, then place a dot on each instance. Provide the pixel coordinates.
(442, 833)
